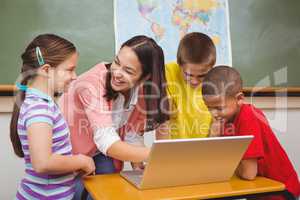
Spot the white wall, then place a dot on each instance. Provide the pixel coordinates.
(12, 168)
(289, 137)
(285, 122)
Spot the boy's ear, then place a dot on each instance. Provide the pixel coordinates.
(240, 98)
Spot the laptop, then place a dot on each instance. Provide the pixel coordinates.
(182, 162)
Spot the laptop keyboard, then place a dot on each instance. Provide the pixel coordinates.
(134, 176)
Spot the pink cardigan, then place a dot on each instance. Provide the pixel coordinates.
(84, 107)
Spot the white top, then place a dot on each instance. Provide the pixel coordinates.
(105, 137)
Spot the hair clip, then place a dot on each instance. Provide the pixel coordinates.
(22, 87)
(39, 56)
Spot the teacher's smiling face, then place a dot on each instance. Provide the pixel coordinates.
(126, 70)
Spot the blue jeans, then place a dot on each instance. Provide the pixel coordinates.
(104, 165)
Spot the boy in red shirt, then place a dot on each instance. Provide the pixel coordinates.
(222, 93)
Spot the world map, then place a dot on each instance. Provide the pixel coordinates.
(167, 21)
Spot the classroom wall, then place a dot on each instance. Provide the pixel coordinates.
(283, 114)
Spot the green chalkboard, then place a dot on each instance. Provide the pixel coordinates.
(88, 24)
(265, 36)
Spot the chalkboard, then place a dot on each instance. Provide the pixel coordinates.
(265, 35)
(88, 24)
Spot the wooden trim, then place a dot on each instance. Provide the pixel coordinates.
(7, 88)
(271, 89)
(245, 89)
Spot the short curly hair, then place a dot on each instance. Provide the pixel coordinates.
(222, 80)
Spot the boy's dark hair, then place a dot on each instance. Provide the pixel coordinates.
(196, 48)
(222, 80)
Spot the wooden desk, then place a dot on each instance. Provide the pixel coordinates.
(113, 186)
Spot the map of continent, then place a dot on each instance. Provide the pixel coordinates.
(169, 20)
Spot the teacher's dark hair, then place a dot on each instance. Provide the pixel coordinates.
(151, 57)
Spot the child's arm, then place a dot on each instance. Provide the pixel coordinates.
(44, 161)
(247, 169)
(109, 143)
(123, 151)
(136, 139)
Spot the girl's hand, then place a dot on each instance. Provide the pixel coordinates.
(87, 164)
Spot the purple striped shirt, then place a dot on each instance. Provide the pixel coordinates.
(39, 107)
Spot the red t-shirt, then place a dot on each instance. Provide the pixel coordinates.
(272, 161)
